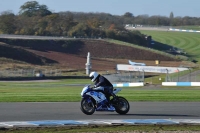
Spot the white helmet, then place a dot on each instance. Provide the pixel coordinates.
(93, 76)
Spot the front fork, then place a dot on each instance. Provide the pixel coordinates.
(89, 100)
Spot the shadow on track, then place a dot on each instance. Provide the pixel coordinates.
(157, 115)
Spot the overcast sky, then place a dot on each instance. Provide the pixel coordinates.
(115, 7)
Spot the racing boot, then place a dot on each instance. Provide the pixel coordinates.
(110, 108)
(109, 105)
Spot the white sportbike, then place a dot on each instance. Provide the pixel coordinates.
(96, 101)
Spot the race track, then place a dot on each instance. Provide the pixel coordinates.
(71, 111)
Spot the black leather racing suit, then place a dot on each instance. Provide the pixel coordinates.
(104, 85)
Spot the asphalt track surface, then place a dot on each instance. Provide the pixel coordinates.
(34, 111)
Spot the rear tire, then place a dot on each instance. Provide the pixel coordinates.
(121, 105)
(87, 106)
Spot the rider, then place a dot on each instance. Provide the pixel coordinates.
(102, 84)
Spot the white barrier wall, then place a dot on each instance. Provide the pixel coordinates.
(154, 69)
(128, 84)
(180, 83)
(182, 30)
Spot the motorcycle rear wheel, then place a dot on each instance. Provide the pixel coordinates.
(121, 105)
(87, 106)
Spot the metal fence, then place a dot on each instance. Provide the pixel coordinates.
(184, 76)
(125, 76)
(118, 77)
(30, 73)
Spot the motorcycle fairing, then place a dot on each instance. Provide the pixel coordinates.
(98, 96)
(100, 100)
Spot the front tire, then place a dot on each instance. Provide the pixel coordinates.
(87, 106)
(121, 105)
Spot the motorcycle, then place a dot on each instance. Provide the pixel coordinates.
(96, 101)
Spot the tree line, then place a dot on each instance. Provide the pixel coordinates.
(36, 19)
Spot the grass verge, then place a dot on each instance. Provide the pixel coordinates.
(107, 129)
(66, 91)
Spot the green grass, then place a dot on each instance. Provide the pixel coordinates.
(106, 128)
(164, 94)
(41, 91)
(156, 79)
(189, 27)
(60, 91)
(189, 42)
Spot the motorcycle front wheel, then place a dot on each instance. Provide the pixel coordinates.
(121, 105)
(87, 106)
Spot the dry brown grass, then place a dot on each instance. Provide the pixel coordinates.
(105, 56)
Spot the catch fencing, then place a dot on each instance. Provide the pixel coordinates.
(184, 76)
(152, 78)
(118, 77)
(29, 73)
(126, 76)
